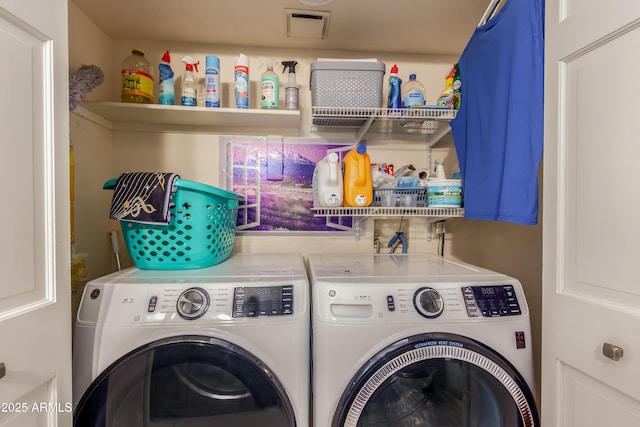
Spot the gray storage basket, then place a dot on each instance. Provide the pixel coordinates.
(347, 84)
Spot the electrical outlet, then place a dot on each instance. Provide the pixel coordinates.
(440, 227)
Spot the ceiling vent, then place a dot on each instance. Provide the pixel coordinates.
(307, 24)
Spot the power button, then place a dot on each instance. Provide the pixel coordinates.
(391, 305)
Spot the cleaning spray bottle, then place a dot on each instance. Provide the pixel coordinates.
(395, 97)
(189, 95)
(269, 86)
(167, 88)
(241, 81)
(291, 91)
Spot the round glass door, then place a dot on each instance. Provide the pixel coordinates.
(437, 380)
(186, 381)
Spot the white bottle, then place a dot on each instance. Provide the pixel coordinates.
(327, 182)
(212, 82)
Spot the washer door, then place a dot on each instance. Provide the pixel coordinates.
(437, 380)
(186, 381)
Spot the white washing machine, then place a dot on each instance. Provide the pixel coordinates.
(226, 345)
(418, 340)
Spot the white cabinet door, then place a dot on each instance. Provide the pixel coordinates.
(35, 337)
(591, 215)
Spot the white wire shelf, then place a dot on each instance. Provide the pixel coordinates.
(384, 120)
(379, 211)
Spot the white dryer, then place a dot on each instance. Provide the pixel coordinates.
(418, 340)
(226, 345)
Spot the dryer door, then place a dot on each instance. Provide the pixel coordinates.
(437, 380)
(187, 380)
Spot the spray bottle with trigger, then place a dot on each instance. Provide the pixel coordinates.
(189, 95)
(291, 91)
(269, 86)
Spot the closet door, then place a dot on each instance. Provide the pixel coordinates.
(35, 336)
(591, 288)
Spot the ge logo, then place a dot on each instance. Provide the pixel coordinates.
(332, 293)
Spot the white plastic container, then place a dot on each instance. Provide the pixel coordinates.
(444, 193)
(327, 182)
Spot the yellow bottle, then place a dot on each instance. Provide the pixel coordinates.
(358, 188)
(136, 79)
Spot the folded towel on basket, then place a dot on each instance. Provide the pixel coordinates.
(143, 197)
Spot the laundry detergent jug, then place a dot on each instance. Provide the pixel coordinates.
(358, 188)
(327, 182)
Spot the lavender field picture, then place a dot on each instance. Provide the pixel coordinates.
(285, 195)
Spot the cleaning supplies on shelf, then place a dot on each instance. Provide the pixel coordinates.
(438, 169)
(327, 182)
(380, 177)
(212, 82)
(241, 81)
(395, 97)
(291, 91)
(166, 95)
(136, 79)
(269, 86)
(413, 93)
(358, 187)
(189, 91)
(457, 87)
(446, 98)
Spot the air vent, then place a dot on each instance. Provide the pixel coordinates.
(307, 24)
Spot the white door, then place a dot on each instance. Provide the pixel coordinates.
(591, 215)
(35, 337)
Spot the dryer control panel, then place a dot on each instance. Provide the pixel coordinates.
(491, 301)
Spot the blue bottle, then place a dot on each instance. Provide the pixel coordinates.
(395, 97)
(167, 89)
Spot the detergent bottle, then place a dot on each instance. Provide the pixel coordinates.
(358, 187)
(269, 86)
(327, 182)
(395, 97)
(136, 78)
(189, 93)
(166, 94)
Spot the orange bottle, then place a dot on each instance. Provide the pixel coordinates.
(358, 188)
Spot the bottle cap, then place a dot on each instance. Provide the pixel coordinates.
(213, 62)
(394, 69)
(361, 149)
(412, 76)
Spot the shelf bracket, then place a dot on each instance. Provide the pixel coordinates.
(365, 128)
(433, 138)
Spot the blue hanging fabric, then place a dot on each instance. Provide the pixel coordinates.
(498, 131)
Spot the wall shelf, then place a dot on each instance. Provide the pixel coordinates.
(431, 121)
(124, 115)
(359, 214)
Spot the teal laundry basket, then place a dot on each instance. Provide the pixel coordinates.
(200, 233)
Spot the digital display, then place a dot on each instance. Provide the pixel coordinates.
(262, 301)
(491, 301)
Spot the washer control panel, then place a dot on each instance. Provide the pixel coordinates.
(262, 301)
(491, 301)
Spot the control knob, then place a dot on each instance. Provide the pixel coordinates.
(428, 302)
(192, 303)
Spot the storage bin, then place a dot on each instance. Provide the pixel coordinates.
(444, 193)
(400, 197)
(352, 84)
(200, 234)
